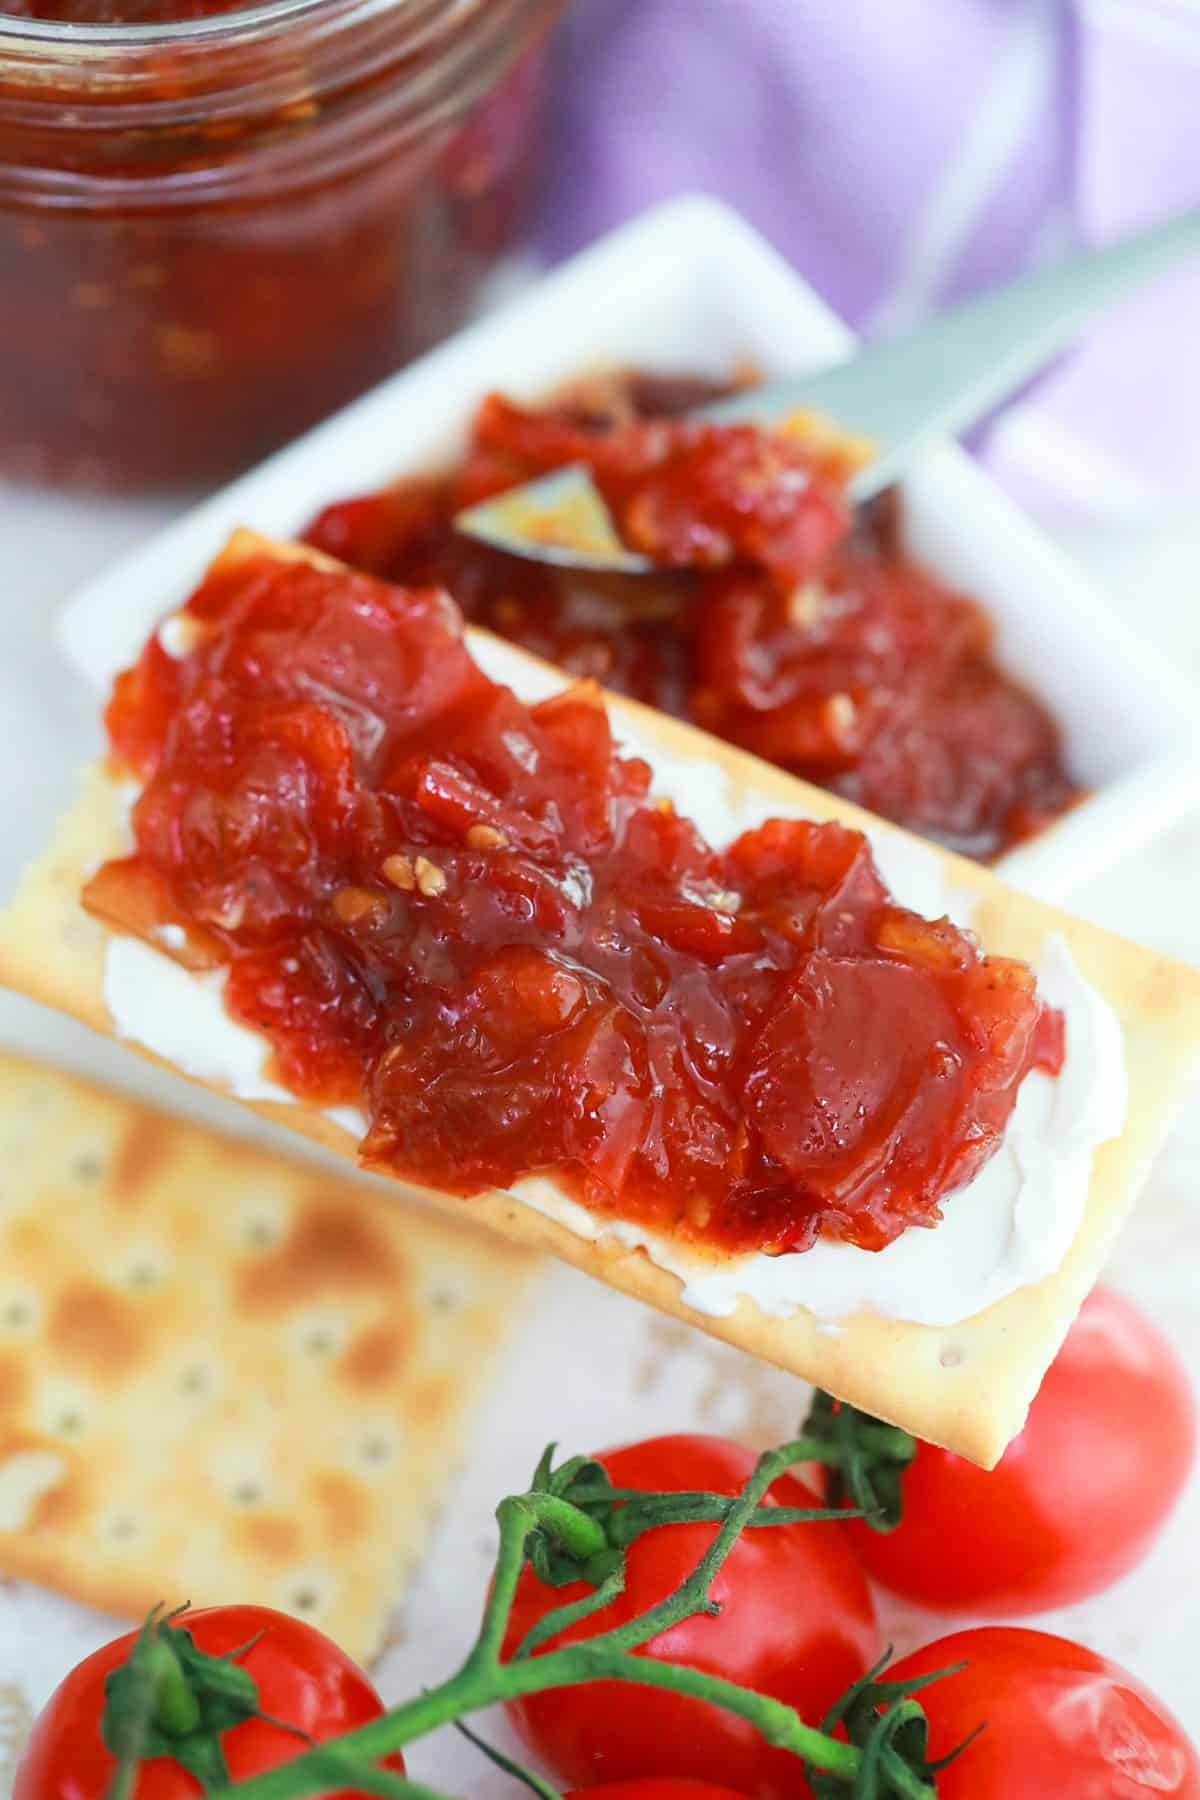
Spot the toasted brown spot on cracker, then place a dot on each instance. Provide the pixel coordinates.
(329, 1246)
(267, 1535)
(343, 1505)
(14, 1383)
(60, 1507)
(375, 1356)
(27, 1236)
(97, 1328)
(29, 1476)
(145, 1148)
(426, 1399)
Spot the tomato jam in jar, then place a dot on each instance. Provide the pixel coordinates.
(217, 225)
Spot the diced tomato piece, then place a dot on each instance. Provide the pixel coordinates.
(705, 932)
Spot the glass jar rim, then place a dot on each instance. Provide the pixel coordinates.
(261, 19)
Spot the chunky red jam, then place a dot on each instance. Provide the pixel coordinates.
(779, 621)
(119, 12)
(474, 918)
(218, 225)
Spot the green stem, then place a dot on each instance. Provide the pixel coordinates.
(122, 1784)
(630, 1522)
(582, 1536)
(906, 1781)
(881, 1440)
(562, 1617)
(535, 1783)
(484, 1680)
(176, 1708)
(575, 1666)
(515, 1519)
(779, 1724)
(692, 1594)
(377, 1739)
(340, 1769)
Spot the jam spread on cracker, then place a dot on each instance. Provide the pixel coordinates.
(474, 919)
(780, 620)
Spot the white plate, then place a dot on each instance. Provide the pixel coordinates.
(689, 286)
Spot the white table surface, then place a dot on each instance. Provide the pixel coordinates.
(656, 1376)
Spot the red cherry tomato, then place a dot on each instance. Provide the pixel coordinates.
(796, 1622)
(302, 1678)
(655, 1790)
(1076, 1500)
(1063, 1723)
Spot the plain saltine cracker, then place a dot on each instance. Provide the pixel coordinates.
(966, 1386)
(225, 1375)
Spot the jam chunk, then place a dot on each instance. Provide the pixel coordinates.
(475, 919)
(774, 619)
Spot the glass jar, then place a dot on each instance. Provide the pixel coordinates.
(214, 232)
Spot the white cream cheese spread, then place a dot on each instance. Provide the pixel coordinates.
(1010, 1226)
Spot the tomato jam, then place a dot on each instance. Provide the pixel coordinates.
(218, 225)
(780, 621)
(473, 918)
(118, 12)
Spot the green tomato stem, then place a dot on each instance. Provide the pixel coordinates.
(122, 1784)
(484, 1680)
(582, 1536)
(906, 1781)
(176, 1708)
(779, 1725)
(516, 1519)
(561, 1617)
(537, 1784)
(692, 1594)
(331, 1762)
(573, 1667)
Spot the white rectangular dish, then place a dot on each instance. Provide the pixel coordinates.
(689, 286)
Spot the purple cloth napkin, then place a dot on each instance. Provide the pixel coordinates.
(903, 154)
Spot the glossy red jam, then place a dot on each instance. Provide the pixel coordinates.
(119, 12)
(475, 919)
(780, 622)
(217, 225)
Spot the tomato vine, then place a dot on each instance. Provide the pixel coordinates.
(572, 1524)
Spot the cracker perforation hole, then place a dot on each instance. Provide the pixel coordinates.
(19, 1312)
(121, 1529)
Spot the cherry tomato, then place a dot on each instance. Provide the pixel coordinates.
(1076, 1500)
(655, 1790)
(1063, 1723)
(302, 1678)
(796, 1622)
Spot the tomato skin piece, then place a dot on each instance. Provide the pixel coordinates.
(655, 1790)
(1063, 1722)
(1077, 1499)
(302, 1678)
(797, 1622)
